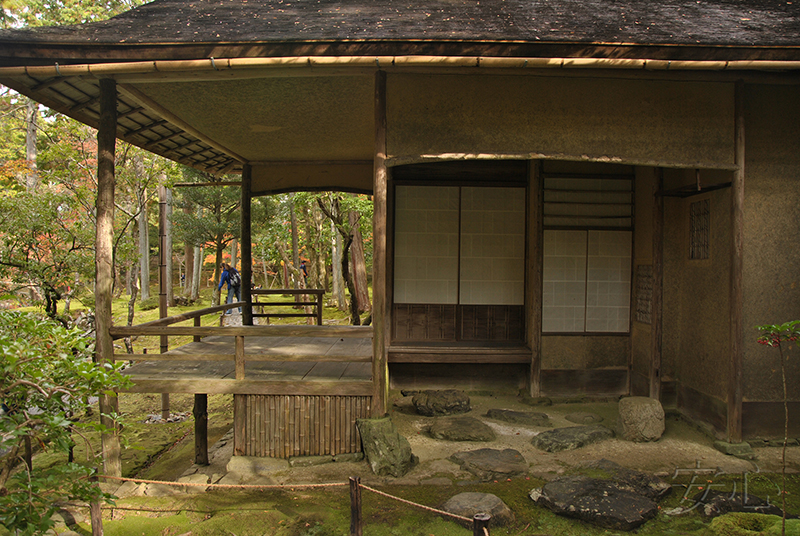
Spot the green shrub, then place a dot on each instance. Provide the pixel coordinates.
(149, 304)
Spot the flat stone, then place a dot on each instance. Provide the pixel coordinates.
(596, 501)
(570, 438)
(388, 452)
(584, 417)
(491, 464)
(519, 417)
(740, 450)
(309, 461)
(716, 503)
(536, 401)
(349, 457)
(461, 429)
(639, 482)
(641, 419)
(254, 465)
(471, 503)
(197, 478)
(439, 403)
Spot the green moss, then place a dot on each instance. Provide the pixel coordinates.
(750, 524)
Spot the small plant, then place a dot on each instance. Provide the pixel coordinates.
(782, 337)
(46, 376)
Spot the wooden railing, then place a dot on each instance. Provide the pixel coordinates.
(261, 305)
(165, 328)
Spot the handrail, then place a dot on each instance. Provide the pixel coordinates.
(317, 303)
(249, 331)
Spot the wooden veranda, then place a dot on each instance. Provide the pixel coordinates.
(298, 389)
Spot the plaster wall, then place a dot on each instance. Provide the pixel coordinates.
(633, 121)
(696, 295)
(643, 255)
(771, 229)
(583, 352)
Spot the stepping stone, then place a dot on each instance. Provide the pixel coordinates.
(438, 403)
(639, 482)
(716, 503)
(740, 450)
(571, 438)
(491, 464)
(519, 417)
(461, 429)
(469, 504)
(584, 417)
(600, 502)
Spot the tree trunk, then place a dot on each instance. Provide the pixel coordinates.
(359, 265)
(31, 123)
(295, 251)
(336, 268)
(235, 253)
(355, 318)
(220, 247)
(188, 253)
(131, 310)
(144, 238)
(168, 245)
(198, 273)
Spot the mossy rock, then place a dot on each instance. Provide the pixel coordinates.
(751, 524)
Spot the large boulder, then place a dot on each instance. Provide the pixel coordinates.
(439, 403)
(570, 438)
(471, 503)
(600, 502)
(491, 464)
(461, 429)
(641, 419)
(388, 452)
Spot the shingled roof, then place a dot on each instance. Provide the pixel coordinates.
(665, 29)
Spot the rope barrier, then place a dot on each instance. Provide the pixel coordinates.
(422, 506)
(225, 486)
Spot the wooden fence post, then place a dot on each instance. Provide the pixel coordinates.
(480, 524)
(201, 429)
(355, 506)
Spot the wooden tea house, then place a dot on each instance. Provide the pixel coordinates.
(570, 198)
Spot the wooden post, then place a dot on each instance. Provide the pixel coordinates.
(200, 412)
(104, 266)
(658, 278)
(163, 279)
(197, 324)
(380, 315)
(239, 363)
(319, 308)
(535, 260)
(480, 524)
(356, 526)
(246, 244)
(239, 423)
(737, 273)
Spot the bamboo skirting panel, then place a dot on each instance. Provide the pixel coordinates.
(280, 426)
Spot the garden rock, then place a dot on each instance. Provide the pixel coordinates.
(491, 464)
(439, 403)
(469, 504)
(570, 438)
(600, 502)
(461, 429)
(741, 450)
(584, 417)
(716, 503)
(641, 419)
(519, 417)
(387, 452)
(639, 482)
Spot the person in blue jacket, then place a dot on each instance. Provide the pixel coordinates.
(231, 276)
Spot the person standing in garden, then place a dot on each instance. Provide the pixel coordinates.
(231, 276)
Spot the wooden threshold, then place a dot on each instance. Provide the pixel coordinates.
(456, 354)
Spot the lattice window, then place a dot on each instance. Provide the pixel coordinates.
(699, 229)
(644, 293)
